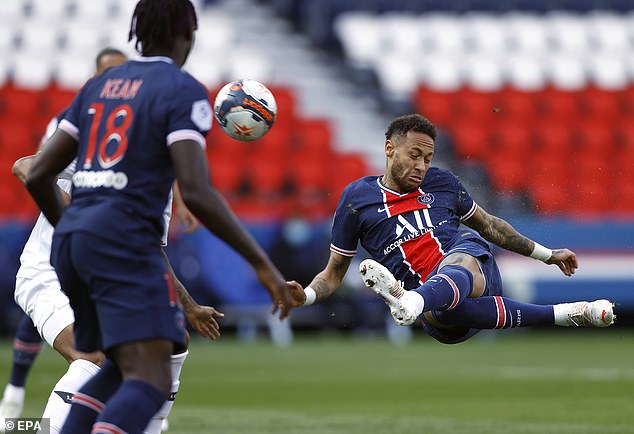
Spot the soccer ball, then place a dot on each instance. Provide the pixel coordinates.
(245, 109)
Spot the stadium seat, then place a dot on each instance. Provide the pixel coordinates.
(17, 139)
(567, 32)
(31, 70)
(439, 106)
(83, 37)
(314, 138)
(56, 99)
(92, 11)
(471, 141)
(602, 105)
(49, 10)
(73, 69)
(507, 174)
(525, 32)
(553, 141)
(608, 33)
(594, 138)
(19, 103)
(360, 38)
(227, 175)
(559, 105)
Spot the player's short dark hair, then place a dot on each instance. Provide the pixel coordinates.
(108, 51)
(157, 23)
(401, 125)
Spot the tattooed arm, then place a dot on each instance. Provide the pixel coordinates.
(201, 318)
(501, 233)
(324, 283)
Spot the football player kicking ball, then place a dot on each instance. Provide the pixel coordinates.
(422, 263)
(39, 294)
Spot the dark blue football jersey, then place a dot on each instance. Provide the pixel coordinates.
(125, 120)
(407, 233)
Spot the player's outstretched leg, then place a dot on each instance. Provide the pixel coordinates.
(405, 306)
(26, 346)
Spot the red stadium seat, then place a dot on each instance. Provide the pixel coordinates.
(518, 106)
(559, 106)
(478, 107)
(314, 138)
(227, 174)
(594, 137)
(549, 199)
(56, 100)
(553, 140)
(438, 106)
(600, 105)
(17, 103)
(512, 140)
(508, 174)
(18, 137)
(471, 141)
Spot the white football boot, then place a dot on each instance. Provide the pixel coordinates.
(405, 306)
(11, 405)
(599, 313)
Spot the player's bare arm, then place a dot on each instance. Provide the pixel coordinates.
(501, 233)
(326, 282)
(21, 169)
(209, 206)
(58, 153)
(201, 318)
(185, 216)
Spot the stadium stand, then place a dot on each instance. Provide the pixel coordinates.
(534, 99)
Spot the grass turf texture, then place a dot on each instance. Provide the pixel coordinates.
(568, 381)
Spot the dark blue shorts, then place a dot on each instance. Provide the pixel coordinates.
(119, 294)
(480, 250)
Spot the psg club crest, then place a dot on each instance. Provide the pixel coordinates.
(425, 199)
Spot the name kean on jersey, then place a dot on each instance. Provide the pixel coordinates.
(119, 88)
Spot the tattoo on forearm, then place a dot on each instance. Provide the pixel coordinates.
(321, 288)
(504, 235)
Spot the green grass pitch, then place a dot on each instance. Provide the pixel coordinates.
(567, 381)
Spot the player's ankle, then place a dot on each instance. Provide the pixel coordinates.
(415, 300)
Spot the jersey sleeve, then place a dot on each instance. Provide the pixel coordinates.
(345, 228)
(466, 206)
(190, 115)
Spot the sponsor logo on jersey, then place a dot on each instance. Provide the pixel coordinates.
(103, 178)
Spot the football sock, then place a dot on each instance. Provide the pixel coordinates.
(130, 409)
(26, 346)
(59, 401)
(88, 403)
(446, 289)
(176, 365)
(494, 312)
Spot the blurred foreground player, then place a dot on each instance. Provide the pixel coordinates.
(422, 263)
(39, 294)
(132, 130)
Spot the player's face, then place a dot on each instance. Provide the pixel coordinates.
(408, 159)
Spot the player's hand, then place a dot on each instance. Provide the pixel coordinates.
(203, 320)
(297, 293)
(279, 292)
(565, 259)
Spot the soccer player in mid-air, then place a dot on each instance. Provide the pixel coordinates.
(39, 294)
(422, 262)
(133, 130)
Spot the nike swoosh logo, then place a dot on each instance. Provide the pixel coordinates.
(384, 209)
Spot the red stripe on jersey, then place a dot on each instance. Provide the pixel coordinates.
(422, 254)
(454, 287)
(398, 204)
(499, 304)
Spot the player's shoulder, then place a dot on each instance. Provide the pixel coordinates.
(439, 176)
(362, 185)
